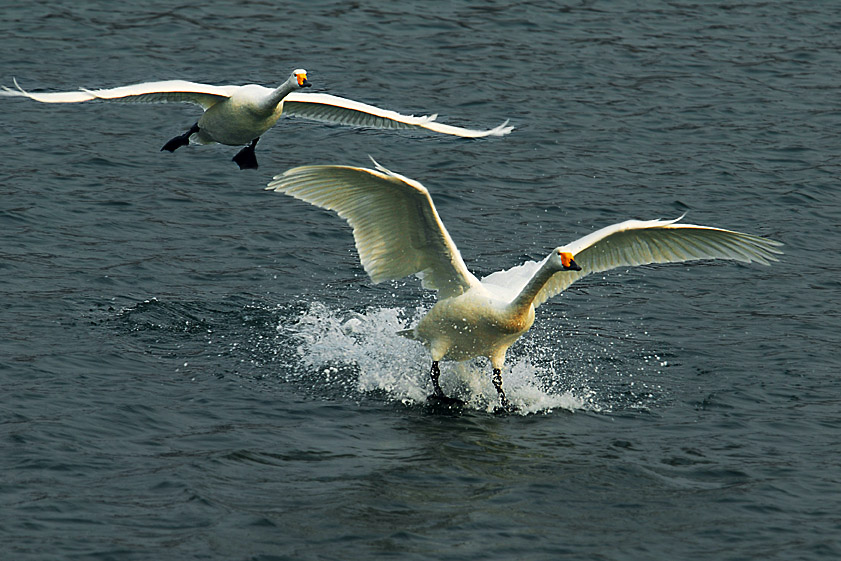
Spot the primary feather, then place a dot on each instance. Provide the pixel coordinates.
(395, 224)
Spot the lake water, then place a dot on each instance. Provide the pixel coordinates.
(194, 368)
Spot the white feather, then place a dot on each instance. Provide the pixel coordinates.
(398, 233)
(395, 225)
(148, 92)
(338, 110)
(314, 106)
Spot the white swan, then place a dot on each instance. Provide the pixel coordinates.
(398, 233)
(237, 115)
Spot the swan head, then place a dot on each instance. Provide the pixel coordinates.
(300, 77)
(563, 260)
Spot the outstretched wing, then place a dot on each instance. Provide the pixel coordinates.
(395, 225)
(338, 110)
(641, 242)
(204, 95)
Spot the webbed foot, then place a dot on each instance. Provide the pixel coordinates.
(442, 402)
(245, 158)
(181, 139)
(505, 407)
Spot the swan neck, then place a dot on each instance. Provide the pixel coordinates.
(281, 92)
(525, 298)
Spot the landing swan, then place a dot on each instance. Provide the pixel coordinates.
(237, 115)
(398, 232)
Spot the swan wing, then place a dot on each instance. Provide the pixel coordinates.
(338, 110)
(640, 242)
(395, 225)
(147, 92)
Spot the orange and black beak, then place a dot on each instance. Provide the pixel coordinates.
(568, 262)
(302, 81)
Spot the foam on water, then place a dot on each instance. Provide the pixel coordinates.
(335, 344)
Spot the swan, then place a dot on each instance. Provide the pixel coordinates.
(398, 232)
(237, 115)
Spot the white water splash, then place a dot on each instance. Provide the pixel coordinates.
(365, 350)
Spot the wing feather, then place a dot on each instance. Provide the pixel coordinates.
(395, 225)
(204, 95)
(637, 242)
(338, 110)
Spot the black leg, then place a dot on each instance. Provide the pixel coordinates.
(438, 396)
(245, 158)
(181, 140)
(435, 373)
(504, 405)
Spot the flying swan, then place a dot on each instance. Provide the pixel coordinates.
(398, 232)
(239, 115)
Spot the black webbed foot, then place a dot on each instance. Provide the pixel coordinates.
(245, 158)
(176, 143)
(505, 408)
(181, 140)
(444, 400)
(443, 403)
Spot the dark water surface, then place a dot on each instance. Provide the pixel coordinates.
(194, 368)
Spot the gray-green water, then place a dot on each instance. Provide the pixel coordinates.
(194, 368)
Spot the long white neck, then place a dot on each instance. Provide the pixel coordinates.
(279, 93)
(523, 301)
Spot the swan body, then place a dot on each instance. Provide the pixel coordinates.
(238, 115)
(233, 115)
(398, 232)
(473, 324)
(247, 114)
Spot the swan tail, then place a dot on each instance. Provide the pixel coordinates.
(408, 334)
